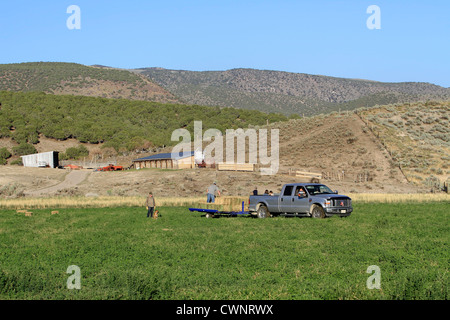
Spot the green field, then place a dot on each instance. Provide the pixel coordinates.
(124, 255)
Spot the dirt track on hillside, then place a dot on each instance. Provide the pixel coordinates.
(71, 180)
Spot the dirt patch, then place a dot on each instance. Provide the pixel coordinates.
(72, 180)
(187, 183)
(31, 178)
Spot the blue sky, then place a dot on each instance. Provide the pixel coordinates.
(316, 37)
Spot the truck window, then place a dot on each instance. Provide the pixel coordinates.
(319, 189)
(300, 192)
(288, 191)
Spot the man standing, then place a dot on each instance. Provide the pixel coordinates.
(150, 203)
(212, 189)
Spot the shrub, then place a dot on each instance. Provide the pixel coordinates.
(362, 150)
(352, 140)
(433, 182)
(4, 155)
(24, 149)
(74, 153)
(17, 162)
(11, 189)
(294, 116)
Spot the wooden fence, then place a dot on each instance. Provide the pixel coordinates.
(338, 175)
(309, 176)
(236, 167)
(334, 175)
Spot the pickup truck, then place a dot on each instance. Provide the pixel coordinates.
(301, 200)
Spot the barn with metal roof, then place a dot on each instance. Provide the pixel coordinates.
(182, 160)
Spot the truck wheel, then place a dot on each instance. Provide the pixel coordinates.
(317, 212)
(263, 212)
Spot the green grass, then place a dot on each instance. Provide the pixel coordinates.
(124, 255)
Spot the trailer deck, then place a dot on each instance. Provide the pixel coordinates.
(212, 213)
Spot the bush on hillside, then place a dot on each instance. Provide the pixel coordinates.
(4, 156)
(74, 153)
(24, 149)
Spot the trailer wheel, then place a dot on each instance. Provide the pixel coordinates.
(263, 212)
(209, 215)
(317, 212)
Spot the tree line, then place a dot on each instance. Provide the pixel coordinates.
(122, 124)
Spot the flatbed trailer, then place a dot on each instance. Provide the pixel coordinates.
(212, 213)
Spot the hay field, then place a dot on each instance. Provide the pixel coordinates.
(123, 255)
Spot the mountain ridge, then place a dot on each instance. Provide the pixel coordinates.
(302, 93)
(269, 91)
(272, 70)
(62, 78)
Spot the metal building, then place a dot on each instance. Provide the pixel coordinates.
(41, 160)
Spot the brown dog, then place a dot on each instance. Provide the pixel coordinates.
(155, 214)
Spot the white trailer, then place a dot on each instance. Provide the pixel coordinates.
(41, 160)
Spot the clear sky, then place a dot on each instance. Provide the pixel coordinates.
(326, 37)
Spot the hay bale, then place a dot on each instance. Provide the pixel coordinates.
(21, 211)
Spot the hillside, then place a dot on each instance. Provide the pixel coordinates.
(124, 125)
(366, 151)
(417, 137)
(407, 144)
(75, 79)
(285, 92)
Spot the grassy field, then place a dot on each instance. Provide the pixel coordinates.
(124, 255)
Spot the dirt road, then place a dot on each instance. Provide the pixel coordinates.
(71, 180)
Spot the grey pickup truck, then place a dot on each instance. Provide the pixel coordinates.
(301, 200)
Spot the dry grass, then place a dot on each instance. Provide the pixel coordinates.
(222, 203)
(399, 198)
